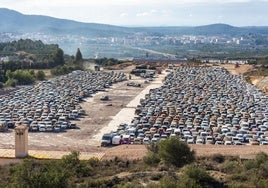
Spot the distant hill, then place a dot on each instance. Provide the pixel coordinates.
(12, 21)
(213, 29)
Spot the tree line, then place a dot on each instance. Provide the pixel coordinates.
(28, 46)
(27, 55)
(24, 56)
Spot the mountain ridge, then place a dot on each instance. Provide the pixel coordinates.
(13, 21)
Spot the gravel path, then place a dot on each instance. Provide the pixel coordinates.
(125, 115)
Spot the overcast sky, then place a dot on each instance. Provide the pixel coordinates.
(149, 12)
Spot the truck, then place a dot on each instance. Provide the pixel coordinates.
(106, 140)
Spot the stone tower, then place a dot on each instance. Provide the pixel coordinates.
(21, 141)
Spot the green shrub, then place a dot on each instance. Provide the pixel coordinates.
(196, 176)
(151, 159)
(247, 78)
(152, 185)
(250, 164)
(12, 82)
(232, 167)
(31, 173)
(261, 183)
(61, 70)
(241, 177)
(130, 185)
(219, 158)
(175, 152)
(168, 182)
(156, 177)
(94, 162)
(264, 169)
(235, 184)
(40, 75)
(261, 158)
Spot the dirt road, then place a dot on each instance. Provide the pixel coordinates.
(139, 151)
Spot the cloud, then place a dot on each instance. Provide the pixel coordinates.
(147, 13)
(143, 14)
(153, 11)
(124, 15)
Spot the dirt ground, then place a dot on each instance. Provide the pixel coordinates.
(260, 82)
(103, 116)
(239, 70)
(139, 151)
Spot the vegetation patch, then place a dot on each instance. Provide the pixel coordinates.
(72, 172)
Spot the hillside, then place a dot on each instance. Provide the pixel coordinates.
(12, 21)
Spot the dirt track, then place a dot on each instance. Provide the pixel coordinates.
(139, 151)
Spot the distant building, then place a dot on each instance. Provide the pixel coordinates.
(225, 61)
(3, 59)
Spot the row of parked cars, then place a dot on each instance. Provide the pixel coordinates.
(50, 106)
(201, 105)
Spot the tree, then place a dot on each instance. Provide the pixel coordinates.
(78, 56)
(171, 151)
(23, 77)
(40, 75)
(2, 76)
(175, 152)
(1, 85)
(58, 58)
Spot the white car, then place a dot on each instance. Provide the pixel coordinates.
(263, 143)
(199, 141)
(155, 139)
(146, 140)
(228, 142)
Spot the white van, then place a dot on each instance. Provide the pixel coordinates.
(116, 140)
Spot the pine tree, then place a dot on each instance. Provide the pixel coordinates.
(78, 56)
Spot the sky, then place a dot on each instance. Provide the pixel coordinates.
(149, 12)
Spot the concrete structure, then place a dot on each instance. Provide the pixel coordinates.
(21, 141)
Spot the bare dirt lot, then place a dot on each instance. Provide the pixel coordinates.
(139, 151)
(237, 70)
(260, 82)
